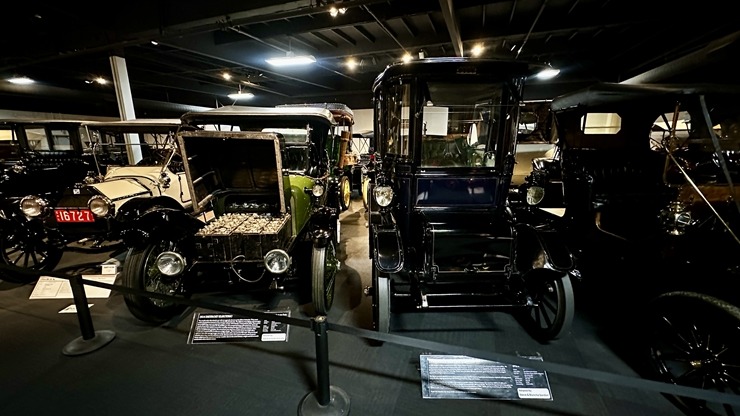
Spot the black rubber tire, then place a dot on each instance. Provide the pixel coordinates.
(33, 250)
(139, 272)
(693, 340)
(324, 269)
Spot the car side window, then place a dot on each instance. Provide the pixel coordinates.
(397, 135)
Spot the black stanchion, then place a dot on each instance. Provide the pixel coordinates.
(327, 399)
(90, 340)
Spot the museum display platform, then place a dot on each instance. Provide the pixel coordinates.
(169, 370)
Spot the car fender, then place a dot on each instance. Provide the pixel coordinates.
(323, 223)
(388, 249)
(541, 248)
(157, 222)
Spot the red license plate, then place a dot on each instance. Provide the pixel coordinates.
(73, 215)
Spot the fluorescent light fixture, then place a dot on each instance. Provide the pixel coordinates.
(548, 73)
(21, 80)
(290, 59)
(241, 96)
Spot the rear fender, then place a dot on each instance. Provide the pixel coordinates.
(541, 248)
(388, 249)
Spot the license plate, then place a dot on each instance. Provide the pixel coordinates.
(73, 215)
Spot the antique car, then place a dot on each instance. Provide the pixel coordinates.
(643, 187)
(42, 158)
(260, 220)
(443, 233)
(363, 144)
(94, 213)
(536, 137)
(341, 155)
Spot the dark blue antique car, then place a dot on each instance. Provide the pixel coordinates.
(444, 233)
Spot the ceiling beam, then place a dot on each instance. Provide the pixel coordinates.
(453, 26)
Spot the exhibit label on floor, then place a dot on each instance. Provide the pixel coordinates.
(463, 377)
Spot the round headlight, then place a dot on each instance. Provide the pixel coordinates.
(683, 219)
(317, 190)
(170, 263)
(383, 195)
(277, 261)
(99, 205)
(535, 195)
(32, 205)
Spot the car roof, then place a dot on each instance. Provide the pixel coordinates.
(276, 112)
(12, 121)
(469, 68)
(137, 125)
(339, 110)
(608, 94)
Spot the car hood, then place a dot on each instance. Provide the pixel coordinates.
(233, 165)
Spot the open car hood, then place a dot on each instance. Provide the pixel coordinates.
(237, 168)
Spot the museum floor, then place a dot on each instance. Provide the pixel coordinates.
(152, 371)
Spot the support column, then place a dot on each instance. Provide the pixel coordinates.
(125, 105)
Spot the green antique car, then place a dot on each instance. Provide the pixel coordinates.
(260, 220)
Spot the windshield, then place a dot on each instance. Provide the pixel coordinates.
(455, 124)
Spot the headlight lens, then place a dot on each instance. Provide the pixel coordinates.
(33, 206)
(277, 261)
(676, 218)
(383, 195)
(170, 263)
(535, 195)
(317, 190)
(99, 205)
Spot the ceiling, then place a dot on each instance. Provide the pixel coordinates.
(63, 46)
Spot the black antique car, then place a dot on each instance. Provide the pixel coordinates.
(444, 234)
(643, 186)
(94, 213)
(41, 158)
(260, 219)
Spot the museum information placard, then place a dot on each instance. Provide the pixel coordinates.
(216, 328)
(463, 377)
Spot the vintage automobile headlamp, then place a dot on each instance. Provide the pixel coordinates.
(18, 168)
(100, 206)
(676, 218)
(383, 195)
(317, 190)
(33, 206)
(535, 195)
(277, 261)
(170, 263)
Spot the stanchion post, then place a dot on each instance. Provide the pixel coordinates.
(90, 340)
(327, 399)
